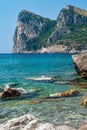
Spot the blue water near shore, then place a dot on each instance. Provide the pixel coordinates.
(16, 69)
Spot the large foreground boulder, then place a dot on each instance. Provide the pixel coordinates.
(29, 122)
(80, 63)
(26, 122)
(9, 93)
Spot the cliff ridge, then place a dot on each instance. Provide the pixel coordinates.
(34, 32)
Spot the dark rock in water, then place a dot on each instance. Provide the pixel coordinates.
(9, 93)
(66, 93)
(84, 100)
(80, 62)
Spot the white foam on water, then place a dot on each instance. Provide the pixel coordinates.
(22, 90)
(6, 87)
(42, 78)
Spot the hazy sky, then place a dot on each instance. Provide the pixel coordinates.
(9, 10)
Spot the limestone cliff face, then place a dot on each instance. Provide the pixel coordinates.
(34, 32)
(69, 16)
(29, 27)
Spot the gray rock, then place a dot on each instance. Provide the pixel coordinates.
(65, 127)
(80, 63)
(26, 122)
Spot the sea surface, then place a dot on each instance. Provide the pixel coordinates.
(17, 71)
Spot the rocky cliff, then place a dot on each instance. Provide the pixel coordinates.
(71, 28)
(34, 32)
(30, 32)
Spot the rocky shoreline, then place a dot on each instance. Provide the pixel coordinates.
(29, 122)
(54, 49)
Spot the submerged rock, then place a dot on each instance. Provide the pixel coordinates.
(65, 94)
(43, 79)
(84, 100)
(80, 63)
(46, 99)
(9, 93)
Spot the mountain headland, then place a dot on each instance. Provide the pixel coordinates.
(36, 34)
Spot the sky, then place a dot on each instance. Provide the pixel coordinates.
(9, 10)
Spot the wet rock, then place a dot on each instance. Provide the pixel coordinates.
(84, 100)
(46, 99)
(65, 127)
(35, 102)
(27, 122)
(80, 63)
(9, 93)
(42, 79)
(79, 82)
(83, 127)
(66, 93)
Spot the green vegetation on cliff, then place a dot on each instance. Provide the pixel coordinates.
(76, 39)
(34, 32)
(39, 42)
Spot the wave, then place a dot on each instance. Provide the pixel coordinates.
(21, 89)
(41, 78)
(6, 87)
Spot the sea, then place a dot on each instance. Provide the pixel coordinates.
(19, 71)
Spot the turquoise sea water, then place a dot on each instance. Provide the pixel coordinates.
(16, 69)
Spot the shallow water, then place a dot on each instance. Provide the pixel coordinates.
(17, 69)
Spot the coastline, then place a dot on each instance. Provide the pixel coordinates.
(56, 112)
(50, 50)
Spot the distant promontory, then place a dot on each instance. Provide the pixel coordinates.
(35, 34)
